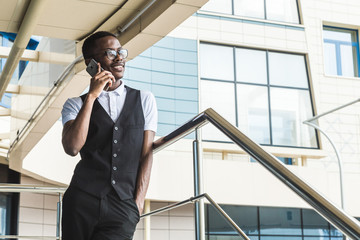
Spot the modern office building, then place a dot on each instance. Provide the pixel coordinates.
(266, 66)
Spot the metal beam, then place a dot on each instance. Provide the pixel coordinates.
(27, 27)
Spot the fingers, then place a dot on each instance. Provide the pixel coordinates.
(103, 80)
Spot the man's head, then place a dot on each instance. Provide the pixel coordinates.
(104, 47)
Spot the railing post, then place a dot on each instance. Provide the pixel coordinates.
(58, 218)
(198, 189)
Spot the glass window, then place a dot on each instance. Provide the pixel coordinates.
(249, 8)
(253, 112)
(276, 10)
(216, 62)
(282, 10)
(341, 52)
(280, 221)
(224, 105)
(289, 107)
(314, 224)
(287, 70)
(219, 6)
(251, 66)
(271, 94)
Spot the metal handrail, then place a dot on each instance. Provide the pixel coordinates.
(339, 218)
(31, 188)
(335, 215)
(195, 199)
(60, 190)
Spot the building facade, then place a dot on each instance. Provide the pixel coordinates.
(266, 66)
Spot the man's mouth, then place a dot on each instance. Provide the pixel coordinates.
(118, 67)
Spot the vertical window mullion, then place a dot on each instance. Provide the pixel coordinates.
(269, 98)
(265, 15)
(235, 89)
(338, 58)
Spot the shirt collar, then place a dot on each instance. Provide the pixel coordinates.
(118, 91)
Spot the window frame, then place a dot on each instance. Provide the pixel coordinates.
(267, 85)
(265, 14)
(338, 45)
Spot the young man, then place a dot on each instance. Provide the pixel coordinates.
(113, 127)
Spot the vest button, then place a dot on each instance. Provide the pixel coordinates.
(115, 155)
(113, 182)
(115, 141)
(114, 168)
(116, 128)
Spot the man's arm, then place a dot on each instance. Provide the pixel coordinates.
(75, 131)
(144, 172)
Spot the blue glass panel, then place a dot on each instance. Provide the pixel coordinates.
(280, 221)
(186, 81)
(186, 106)
(162, 78)
(139, 74)
(185, 56)
(185, 44)
(144, 62)
(181, 118)
(167, 42)
(165, 103)
(162, 65)
(163, 91)
(318, 238)
(139, 85)
(146, 53)
(164, 129)
(186, 68)
(186, 93)
(281, 238)
(163, 53)
(166, 117)
(314, 224)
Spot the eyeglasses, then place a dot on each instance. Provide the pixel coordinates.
(112, 54)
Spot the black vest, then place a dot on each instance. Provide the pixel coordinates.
(111, 154)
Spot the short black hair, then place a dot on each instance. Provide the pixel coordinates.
(90, 42)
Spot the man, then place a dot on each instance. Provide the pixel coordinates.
(113, 127)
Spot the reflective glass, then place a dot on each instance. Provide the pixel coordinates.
(289, 108)
(280, 221)
(225, 237)
(338, 34)
(249, 8)
(314, 224)
(280, 238)
(220, 97)
(253, 112)
(282, 10)
(245, 217)
(219, 6)
(251, 66)
(287, 70)
(317, 238)
(216, 62)
(2, 214)
(330, 59)
(348, 61)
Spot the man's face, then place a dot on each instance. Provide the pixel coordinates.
(116, 66)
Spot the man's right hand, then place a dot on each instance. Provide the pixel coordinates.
(103, 79)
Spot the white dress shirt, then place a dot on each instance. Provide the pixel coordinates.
(113, 103)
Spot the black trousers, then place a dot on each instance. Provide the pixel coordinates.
(86, 217)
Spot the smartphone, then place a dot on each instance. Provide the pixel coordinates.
(92, 69)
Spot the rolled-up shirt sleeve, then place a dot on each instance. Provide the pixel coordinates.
(150, 110)
(71, 109)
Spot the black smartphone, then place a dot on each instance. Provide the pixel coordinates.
(92, 68)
